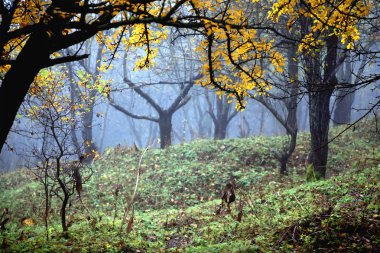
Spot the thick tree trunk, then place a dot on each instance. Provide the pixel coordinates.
(319, 115)
(15, 85)
(222, 118)
(220, 131)
(319, 106)
(165, 124)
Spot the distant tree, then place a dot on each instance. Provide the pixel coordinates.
(164, 118)
(86, 78)
(200, 126)
(221, 113)
(244, 129)
(348, 80)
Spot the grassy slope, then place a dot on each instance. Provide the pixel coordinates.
(178, 195)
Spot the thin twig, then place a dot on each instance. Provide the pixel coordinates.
(299, 202)
(128, 208)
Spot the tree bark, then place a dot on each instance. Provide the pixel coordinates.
(17, 80)
(221, 117)
(89, 145)
(74, 99)
(220, 131)
(319, 105)
(319, 115)
(165, 124)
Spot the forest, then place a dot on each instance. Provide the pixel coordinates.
(189, 126)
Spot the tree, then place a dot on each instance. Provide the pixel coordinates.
(164, 118)
(194, 115)
(231, 47)
(348, 82)
(86, 87)
(288, 96)
(282, 102)
(244, 129)
(31, 40)
(221, 113)
(49, 108)
(323, 28)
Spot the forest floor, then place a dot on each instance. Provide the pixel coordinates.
(178, 194)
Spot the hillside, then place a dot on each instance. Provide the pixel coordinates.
(179, 192)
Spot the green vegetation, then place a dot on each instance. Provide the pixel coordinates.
(179, 192)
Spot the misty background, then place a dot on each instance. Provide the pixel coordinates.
(176, 67)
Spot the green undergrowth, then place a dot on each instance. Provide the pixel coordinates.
(179, 192)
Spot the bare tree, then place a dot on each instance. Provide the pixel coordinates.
(221, 112)
(164, 115)
(50, 112)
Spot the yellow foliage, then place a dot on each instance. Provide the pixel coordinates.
(27, 222)
(341, 16)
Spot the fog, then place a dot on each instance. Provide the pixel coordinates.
(176, 64)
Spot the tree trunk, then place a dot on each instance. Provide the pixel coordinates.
(222, 118)
(65, 230)
(342, 112)
(286, 154)
(319, 115)
(345, 96)
(74, 99)
(262, 121)
(319, 106)
(220, 131)
(243, 127)
(291, 106)
(165, 124)
(104, 129)
(18, 79)
(90, 148)
(47, 199)
(66, 196)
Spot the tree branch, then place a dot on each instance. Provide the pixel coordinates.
(132, 115)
